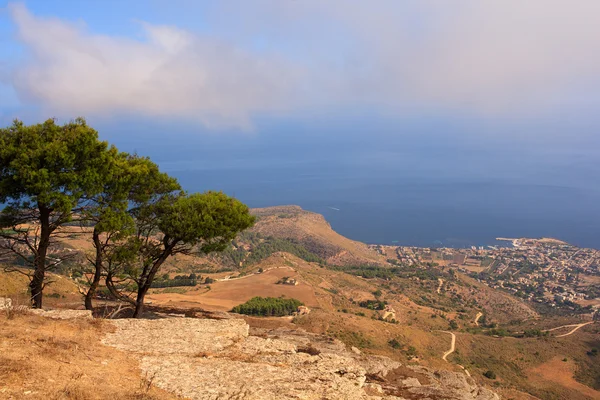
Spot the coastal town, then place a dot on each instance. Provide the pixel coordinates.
(545, 271)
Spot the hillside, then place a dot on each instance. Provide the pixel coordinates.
(202, 359)
(314, 233)
(357, 299)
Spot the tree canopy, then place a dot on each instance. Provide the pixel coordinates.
(52, 175)
(48, 173)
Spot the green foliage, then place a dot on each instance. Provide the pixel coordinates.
(368, 271)
(395, 343)
(268, 307)
(179, 280)
(262, 247)
(373, 304)
(209, 220)
(387, 273)
(48, 174)
(535, 333)
(489, 374)
(51, 165)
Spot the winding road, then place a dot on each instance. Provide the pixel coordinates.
(479, 315)
(572, 331)
(440, 286)
(452, 346)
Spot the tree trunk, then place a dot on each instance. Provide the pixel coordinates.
(139, 303)
(97, 272)
(36, 286)
(146, 281)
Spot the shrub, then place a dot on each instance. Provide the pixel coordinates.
(489, 374)
(373, 304)
(268, 307)
(394, 343)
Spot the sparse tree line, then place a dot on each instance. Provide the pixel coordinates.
(53, 176)
(261, 247)
(179, 280)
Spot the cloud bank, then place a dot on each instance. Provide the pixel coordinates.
(497, 57)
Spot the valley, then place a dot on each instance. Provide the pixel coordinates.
(430, 312)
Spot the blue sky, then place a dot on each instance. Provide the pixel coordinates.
(510, 79)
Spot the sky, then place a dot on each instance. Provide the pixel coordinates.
(498, 89)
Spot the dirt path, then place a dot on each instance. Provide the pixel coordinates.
(572, 331)
(479, 315)
(452, 346)
(251, 274)
(440, 286)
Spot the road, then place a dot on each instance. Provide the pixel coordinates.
(572, 331)
(251, 274)
(452, 346)
(440, 286)
(479, 315)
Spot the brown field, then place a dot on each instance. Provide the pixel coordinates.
(473, 268)
(589, 280)
(61, 292)
(557, 371)
(224, 295)
(65, 360)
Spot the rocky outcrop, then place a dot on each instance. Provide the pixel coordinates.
(222, 359)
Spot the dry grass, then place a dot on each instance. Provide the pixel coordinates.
(49, 359)
(225, 295)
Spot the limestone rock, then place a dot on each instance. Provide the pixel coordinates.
(218, 359)
(62, 314)
(187, 336)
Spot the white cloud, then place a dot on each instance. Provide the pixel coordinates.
(494, 57)
(169, 73)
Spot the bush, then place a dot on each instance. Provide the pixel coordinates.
(373, 304)
(490, 374)
(394, 343)
(268, 307)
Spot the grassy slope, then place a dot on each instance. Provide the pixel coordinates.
(42, 358)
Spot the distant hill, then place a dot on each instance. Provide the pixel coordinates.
(313, 232)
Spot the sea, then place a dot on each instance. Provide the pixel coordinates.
(421, 188)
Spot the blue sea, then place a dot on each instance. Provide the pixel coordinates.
(421, 188)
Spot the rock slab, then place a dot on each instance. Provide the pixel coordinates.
(207, 359)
